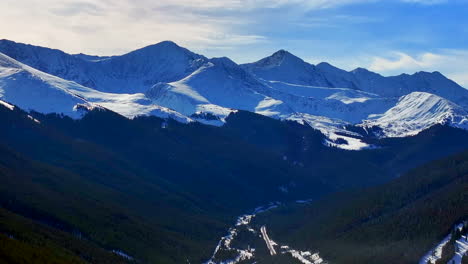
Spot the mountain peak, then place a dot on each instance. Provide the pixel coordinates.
(163, 47)
(7, 41)
(280, 58)
(433, 74)
(328, 67)
(364, 72)
(325, 64)
(225, 61)
(167, 43)
(360, 70)
(284, 54)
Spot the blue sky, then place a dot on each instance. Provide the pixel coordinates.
(387, 36)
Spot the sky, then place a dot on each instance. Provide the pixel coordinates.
(386, 36)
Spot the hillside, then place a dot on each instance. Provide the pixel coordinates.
(173, 185)
(169, 81)
(152, 156)
(397, 222)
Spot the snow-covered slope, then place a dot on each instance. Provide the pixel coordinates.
(170, 81)
(129, 73)
(404, 84)
(338, 103)
(224, 84)
(286, 68)
(416, 112)
(140, 69)
(31, 89)
(216, 88)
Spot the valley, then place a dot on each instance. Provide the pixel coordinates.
(160, 155)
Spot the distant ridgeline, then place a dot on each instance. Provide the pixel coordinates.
(151, 156)
(168, 81)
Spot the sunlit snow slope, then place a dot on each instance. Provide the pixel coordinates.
(416, 112)
(31, 89)
(167, 80)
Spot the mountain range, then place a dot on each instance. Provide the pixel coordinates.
(169, 81)
(162, 155)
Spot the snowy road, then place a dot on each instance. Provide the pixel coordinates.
(242, 251)
(270, 244)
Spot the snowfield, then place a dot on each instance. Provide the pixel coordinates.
(416, 112)
(169, 81)
(31, 89)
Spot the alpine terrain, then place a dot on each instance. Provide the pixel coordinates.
(162, 155)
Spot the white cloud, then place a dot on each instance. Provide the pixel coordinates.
(453, 63)
(399, 61)
(114, 26)
(216, 27)
(110, 27)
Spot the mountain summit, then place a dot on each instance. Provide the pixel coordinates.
(285, 67)
(167, 80)
(133, 72)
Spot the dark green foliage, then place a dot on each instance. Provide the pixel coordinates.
(17, 252)
(393, 223)
(161, 195)
(24, 241)
(165, 195)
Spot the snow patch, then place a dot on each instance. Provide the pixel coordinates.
(243, 223)
(122, 254)
(436, 253)
(7, 105)
(461, 248)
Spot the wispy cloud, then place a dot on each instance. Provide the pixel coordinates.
(242, 29)
(110, 26)
(453, 63)
(399, 61)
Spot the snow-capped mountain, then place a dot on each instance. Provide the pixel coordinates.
(31, 89)
(221, 84)
(170, 81)
(285, 68)
(396, 86)
(129, 73)
(218, 81)
(418, 111)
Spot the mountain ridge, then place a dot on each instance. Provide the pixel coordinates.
(168, 80)
(363, 79)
